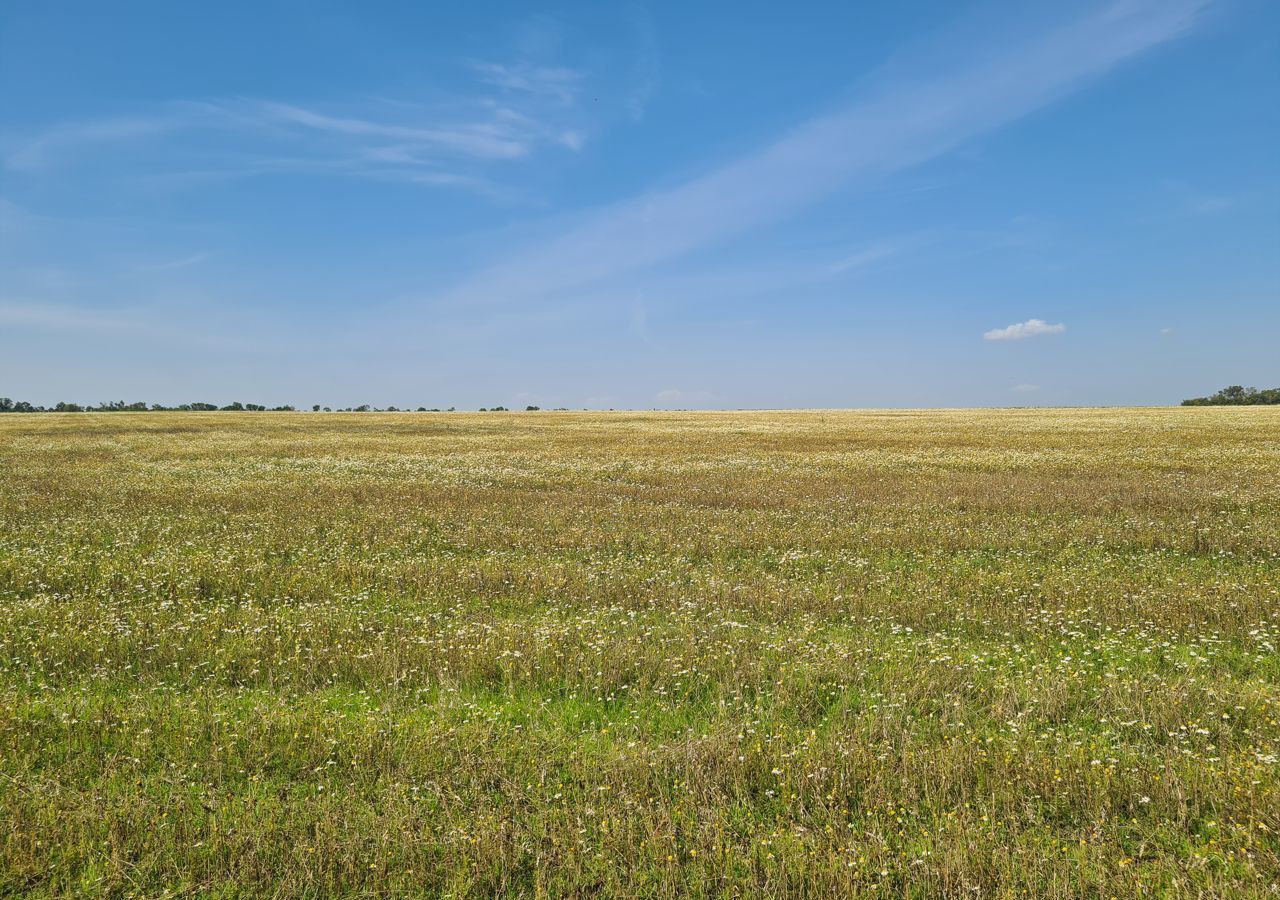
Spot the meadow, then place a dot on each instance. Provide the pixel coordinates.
(789, 654)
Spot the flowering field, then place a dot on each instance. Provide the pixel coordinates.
(821, 654)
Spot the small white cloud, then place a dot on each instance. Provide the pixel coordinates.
(1166, 332)
(1026, 388)
(1023, 330)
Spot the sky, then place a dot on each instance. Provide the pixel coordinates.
(639, 205)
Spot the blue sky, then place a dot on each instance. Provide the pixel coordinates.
(639, 205)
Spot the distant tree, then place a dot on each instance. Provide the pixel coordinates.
(315, 407)
(327, 409)
(364, 407)
(68, 407)
(532, 408)
(6, 405)
(1236, 395)
(24, 406)
(234, 406)
(204, 407)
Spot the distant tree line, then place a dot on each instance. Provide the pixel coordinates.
(7, 405)
(22, 406)
(1235, 395)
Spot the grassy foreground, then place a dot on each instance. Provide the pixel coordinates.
(969, 654)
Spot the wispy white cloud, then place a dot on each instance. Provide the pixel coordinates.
(865, 257)
(646, 72)
(142, 325)
(60, 318)
(493, 132)
(503, 136)
(1198, 201)
(37, 152)
(15, 219)
(179, 263)
(1025, 388)
(1208, 204)
(559, 83)
(508, 114)
(1023, 330)
(898, 124)
(572, 139)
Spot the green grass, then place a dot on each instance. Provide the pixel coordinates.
(827, 654)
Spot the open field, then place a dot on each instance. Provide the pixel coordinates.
(828, 654)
